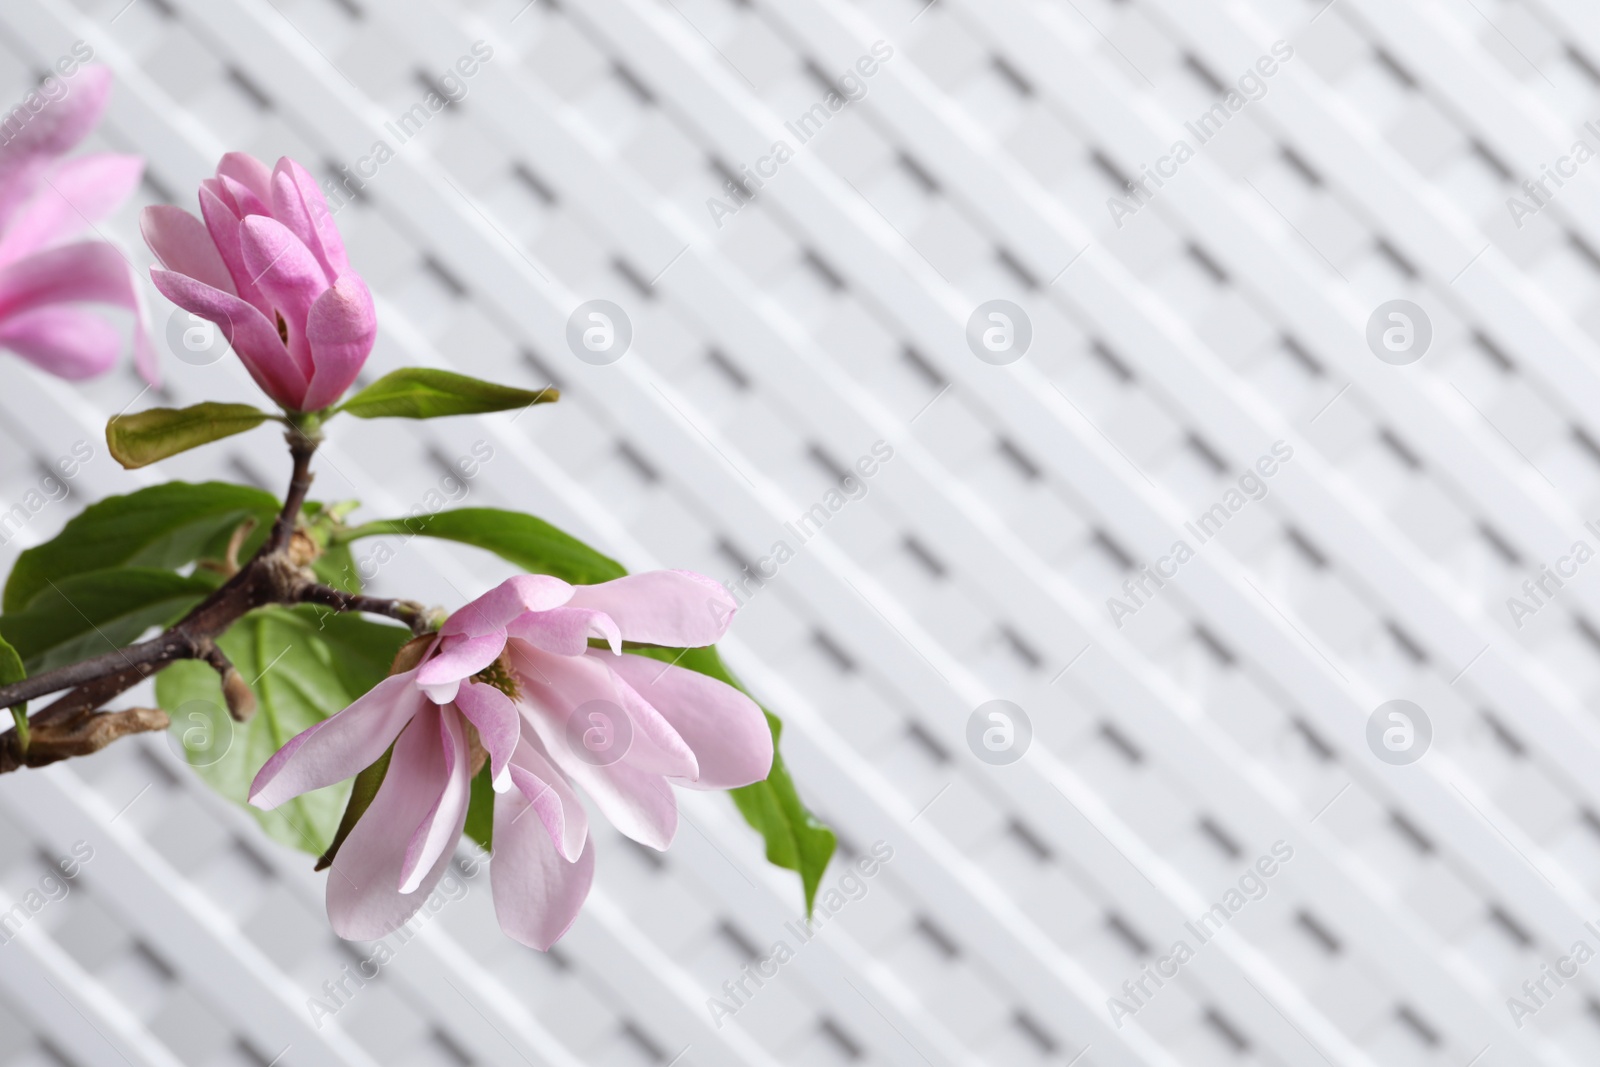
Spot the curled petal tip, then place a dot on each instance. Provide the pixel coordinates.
(443, 693)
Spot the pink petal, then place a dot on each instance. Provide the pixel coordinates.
(459, 659)
(69, 342)
(537, 894)
(565, 631)
(726, 729)
(657, 748)
(498, 724)
(246, 170)
(562, 812)
(364, 900)
(662, 607)
(441, 827)
(219, 191)
(223, 223)
(78, 194)
(51, 132)
(86, 271)
(298, 203)
(546, 805)
(288, 277)
(183, 245)
(341, 330)
(340, 746)
(253, 338)
(246, 201)
(492, 611)
(638, 803)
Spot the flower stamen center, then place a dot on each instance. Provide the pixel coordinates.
(498, 674)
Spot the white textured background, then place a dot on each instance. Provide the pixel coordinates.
(828, 315)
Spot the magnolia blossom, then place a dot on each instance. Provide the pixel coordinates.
(44, 202)
(401, 846)
(269, 268)
(512, 678)
(624, 727)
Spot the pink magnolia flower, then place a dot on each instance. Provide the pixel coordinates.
(269, 268)
(515, 664)
(623, 727)
(400, 848)
(44, 202)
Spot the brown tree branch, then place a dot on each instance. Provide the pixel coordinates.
(158, 651)
(302, 447)
(82, 735)
(276, 574)
(409, 612)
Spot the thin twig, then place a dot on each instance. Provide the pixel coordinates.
(409, 612)
(236, 692)
(302, 447)
(276, 574)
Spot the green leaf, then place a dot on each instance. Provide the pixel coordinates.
(11, 671)
(98, 612)
(531, 544)
(365, 650)
(10, 664)
(422, 393)
(164, 526)
(145, 437)
(479, 825)
(796, 841)
(363, 791)
(305, 665)
(480, 810)
(336, 566)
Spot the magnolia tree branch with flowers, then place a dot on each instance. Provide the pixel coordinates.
(373, 733)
